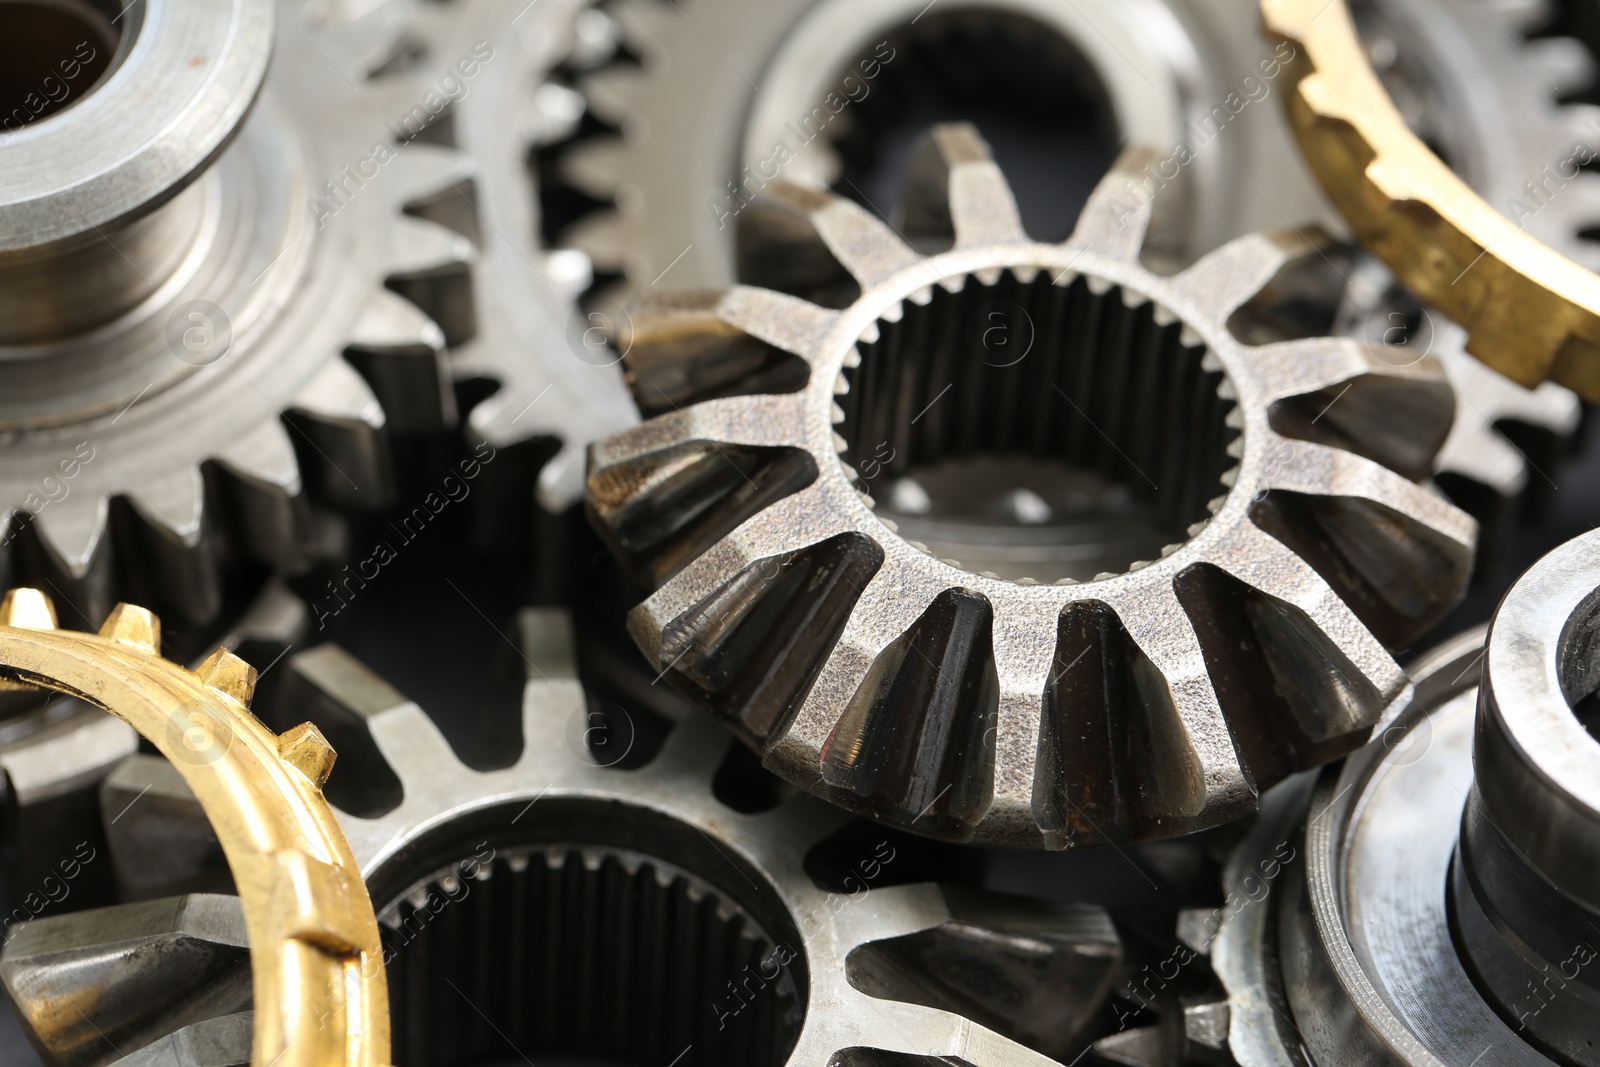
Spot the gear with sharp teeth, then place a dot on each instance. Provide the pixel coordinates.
(1130, 705)
(250, 351)
(556, 377)
(564, 904)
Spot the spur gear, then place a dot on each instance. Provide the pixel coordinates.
(1291, 542)
(710, 100)
(1444, 911)
(208, 246)
(487, 89)
(564, 904)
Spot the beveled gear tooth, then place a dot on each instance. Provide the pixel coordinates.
(341, 416)
(225, 673)
(795, 238)
(1226, 279)
(27, 609)
(74, 532)
(305, 749)
(136, 627)
(954, 189)
(419, 250)
(1116, 218)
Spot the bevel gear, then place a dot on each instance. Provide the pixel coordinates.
(910, 689)
(207, 247)
(1444, 910)
(565, 904)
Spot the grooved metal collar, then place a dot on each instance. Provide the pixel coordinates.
(1445, 911)
(318, 999)
(962, 705)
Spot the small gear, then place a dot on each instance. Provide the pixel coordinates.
(566, 904)
(246, 238)
(910, 689)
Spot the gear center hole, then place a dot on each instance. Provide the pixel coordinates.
(1035, 430)
(52, 54)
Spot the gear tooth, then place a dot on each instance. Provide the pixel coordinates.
(836, 413)
(616, 93)
(136, 627)
(227, 674)
(339, 414)
(171, 546)
(954, 189)
(73, 531)
(987, 276)
(596, 167)
(175, 503)
(423, 172)
(606, 237)
(1562, 61)
(551, 114)
(1139, 1047)
(304, 748)
(1108, 223)
(852, 358)
(421, 249)
(261, 485)
(389, 322)
(27, 609)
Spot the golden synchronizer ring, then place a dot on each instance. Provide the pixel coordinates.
(1529, 312)
(317, 973)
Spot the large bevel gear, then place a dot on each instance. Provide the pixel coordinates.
(483, 88)
(563, 904)
(1444, 910)
(244, 262)
(711, 100)
(1144, 703)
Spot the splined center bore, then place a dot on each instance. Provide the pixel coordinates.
(1035, 430)
(596, 951)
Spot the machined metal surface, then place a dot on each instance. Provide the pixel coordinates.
(565, 903)
(266, 232)
(924, 694)
(1438, 917)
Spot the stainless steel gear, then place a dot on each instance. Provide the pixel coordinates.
(1444, 911)
(197, 256)
(563, 903)
(714, 99)
(487, 88)
(1129, 705)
